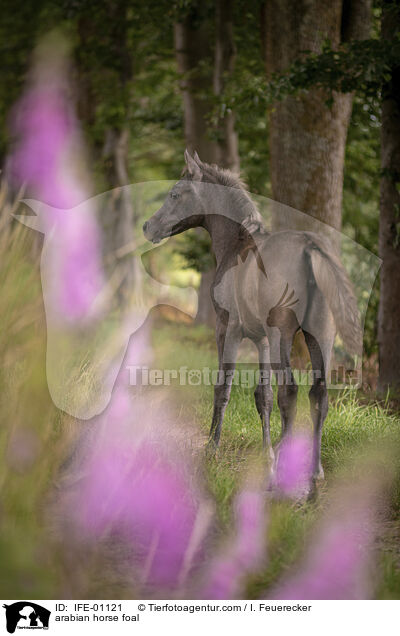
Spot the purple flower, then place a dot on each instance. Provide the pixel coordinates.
(145, 494)
(293, 468)
(44, 126)
(226, 574)
(73, 269)
(47, 158)
(336, 564)
(138, 483)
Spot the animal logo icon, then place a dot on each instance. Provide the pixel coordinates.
(26, 615)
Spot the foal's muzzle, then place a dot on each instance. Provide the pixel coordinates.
(154, 237)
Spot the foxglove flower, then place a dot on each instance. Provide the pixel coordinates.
(48, 160)
(226, 575)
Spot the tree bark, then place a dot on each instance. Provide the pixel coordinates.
(389, 226)
(118, 219)
(202, 75)
(307, 137)
(116, 155)
(121, 219)
(194, 56)
(224, 62)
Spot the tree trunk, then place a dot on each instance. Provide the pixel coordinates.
(389, 226)
(308, 137)
(120, 220)
(193, 56)
(194, 59)
(224, 61)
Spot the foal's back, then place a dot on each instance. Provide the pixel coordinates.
(251, 288)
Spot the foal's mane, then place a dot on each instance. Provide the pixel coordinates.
(252, 221)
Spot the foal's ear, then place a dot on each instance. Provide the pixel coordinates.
(193, 168)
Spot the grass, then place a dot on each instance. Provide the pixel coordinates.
(353, 426)
(35, 440)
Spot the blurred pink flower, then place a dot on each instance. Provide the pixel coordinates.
(293, 469)
(141, 492)
(138, 482)
(337, 561)
(48, 159)
(44, 125)
(75, 263)
(226, 575)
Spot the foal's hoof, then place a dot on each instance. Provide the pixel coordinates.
(211, 449)
(320, 476)
(312, 494)
(316, 481)
(269, 453)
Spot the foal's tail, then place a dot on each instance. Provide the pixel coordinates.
(332, 280)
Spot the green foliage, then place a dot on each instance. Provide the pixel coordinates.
(360, 66)
(195, 247)
(361, 196)
(18, 28)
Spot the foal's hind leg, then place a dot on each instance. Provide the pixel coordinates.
(264, 395)
(318, 400)
(287, 387)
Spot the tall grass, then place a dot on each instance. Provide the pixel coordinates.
(29, 421)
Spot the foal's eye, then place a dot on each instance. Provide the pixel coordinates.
(174, 195)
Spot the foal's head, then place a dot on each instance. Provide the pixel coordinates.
(202, 192)
(183, 208)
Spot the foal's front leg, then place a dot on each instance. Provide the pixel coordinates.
(264, 395)
(228, 343)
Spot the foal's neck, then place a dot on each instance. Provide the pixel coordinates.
(226, 237)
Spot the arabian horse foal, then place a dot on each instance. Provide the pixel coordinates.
(267, 286)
